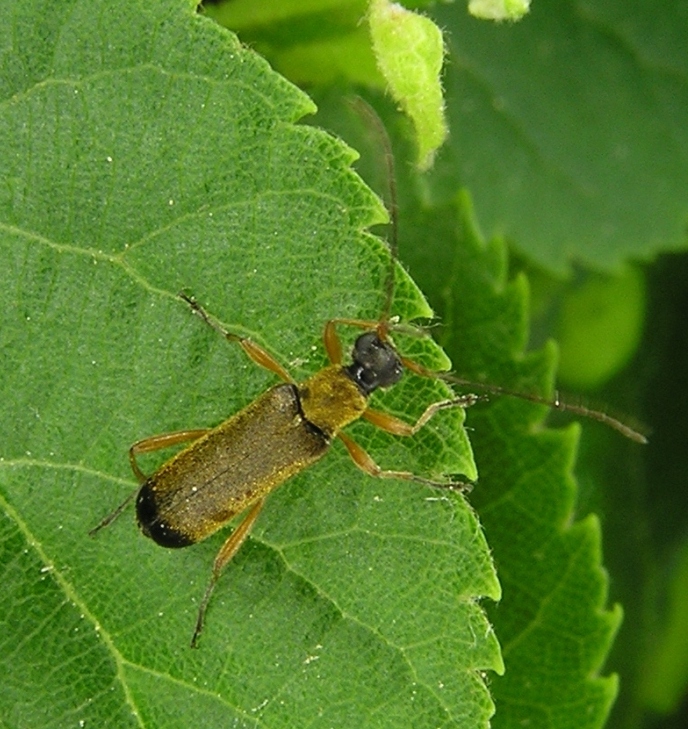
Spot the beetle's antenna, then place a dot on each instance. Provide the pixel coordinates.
(112, 516)
(556, 403)
(370, 115)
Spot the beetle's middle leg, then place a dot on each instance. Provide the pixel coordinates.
(147, 445)
(224, 556)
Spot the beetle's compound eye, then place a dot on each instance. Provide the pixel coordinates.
(375, 363)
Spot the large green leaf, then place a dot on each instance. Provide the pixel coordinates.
(143, 150)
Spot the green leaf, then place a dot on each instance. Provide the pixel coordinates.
(410, 50)
(570, 128)
(143, 150)
(665, 675)
(552, 619)
(278, 26)
(326, 62)
(599, 327)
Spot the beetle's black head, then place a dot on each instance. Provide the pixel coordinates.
(375, 363)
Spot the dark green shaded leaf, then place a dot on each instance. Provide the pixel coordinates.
(570, 128)
(552, 619)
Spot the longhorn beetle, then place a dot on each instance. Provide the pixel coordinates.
(233, 467)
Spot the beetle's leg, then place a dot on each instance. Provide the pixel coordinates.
(253, 350)
(393, 425)
(147, 445)
(333, 346)
(156, 443)
(363, 460)
(227, 551)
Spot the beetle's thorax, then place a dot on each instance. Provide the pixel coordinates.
(330, 400)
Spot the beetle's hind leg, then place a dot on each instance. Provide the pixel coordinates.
(224, 556)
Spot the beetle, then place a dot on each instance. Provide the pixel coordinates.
(233, 467)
